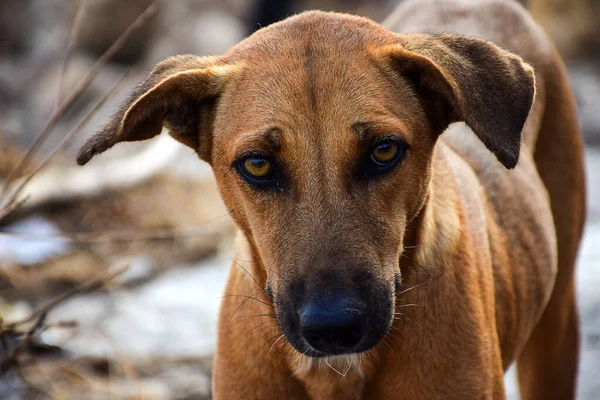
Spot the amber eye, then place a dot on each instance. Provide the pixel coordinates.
(257, 167)
(385, 152)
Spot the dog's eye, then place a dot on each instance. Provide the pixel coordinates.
(386, 153)
(257, 168)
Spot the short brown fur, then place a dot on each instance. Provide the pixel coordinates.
(482, 240)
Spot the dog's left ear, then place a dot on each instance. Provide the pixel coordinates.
(470, 80)
(173, 95)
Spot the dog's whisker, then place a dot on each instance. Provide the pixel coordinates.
(407, 305)
(246, 318)
(260, 325)
(249, 274)
(397, 332)
(417, 286)
(245, 261)
(270, 329)
(271, 270)
(401, 331)
(270, 339)
(335, 370)
(240, 306)
(427, 271)
(290, 351)
(251, 340)
(254, 262)
(249, 298)
(411, 247)
(221, 216)
(268, 269)
(406, 318)
(350, 362)
(373, 353)
(298, 359)
(386, 343)
(273, 345)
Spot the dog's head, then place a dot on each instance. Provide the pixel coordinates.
(321, 131)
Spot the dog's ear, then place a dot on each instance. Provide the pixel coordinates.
(470, 80)
(172, 96)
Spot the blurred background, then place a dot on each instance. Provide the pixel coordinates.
(111, 275)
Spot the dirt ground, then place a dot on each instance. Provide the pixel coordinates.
(153, 207)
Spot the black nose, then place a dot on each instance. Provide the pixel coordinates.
(332, 327)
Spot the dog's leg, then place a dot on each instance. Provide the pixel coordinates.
(547, 366)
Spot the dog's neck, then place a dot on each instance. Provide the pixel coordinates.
(435, 230)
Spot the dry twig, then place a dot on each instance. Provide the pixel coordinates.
(80, 88)
(10, 203)
(63, 69)
(26, 338)
(10, 207)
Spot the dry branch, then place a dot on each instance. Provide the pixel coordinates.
(9, 204)
(26, 338)
(68, 50)
(80, 88)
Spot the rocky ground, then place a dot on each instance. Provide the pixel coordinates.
(588, 295)
(150, 332)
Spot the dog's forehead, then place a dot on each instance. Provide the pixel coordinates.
(323, 32)
(304, 65)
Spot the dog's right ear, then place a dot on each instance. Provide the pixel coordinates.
(471, 80)
(172, 96)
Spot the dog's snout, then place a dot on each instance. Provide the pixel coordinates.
(333, 312)
(332, 327)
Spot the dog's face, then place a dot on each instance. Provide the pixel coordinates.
(327, 163)
(321, 132)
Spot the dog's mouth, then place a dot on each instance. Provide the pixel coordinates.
(330, 325)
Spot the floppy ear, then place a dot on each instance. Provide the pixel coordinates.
(470, 80)
(174, 95)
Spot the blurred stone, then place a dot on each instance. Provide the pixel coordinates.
(585, 81)
(150, 226)
(12, 387)
(116, 379)
(139, 268)
(172, 316)
(186, 382)
(101, 22)
(588, 297)
(19, 249)
(216, 32)
(151, 328)
(14, 15)
(592, 161)
(13, 312)
(54, 276)
(208, 32)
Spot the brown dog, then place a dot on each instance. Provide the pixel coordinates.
(377, 257)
